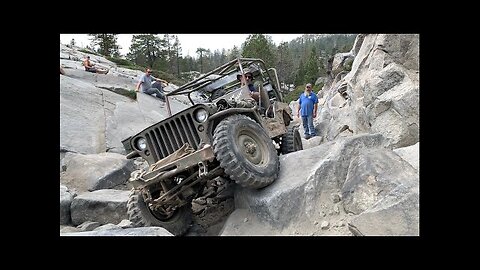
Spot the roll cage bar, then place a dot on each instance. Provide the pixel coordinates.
(235, 66)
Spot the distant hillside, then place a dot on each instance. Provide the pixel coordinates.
(327, 45)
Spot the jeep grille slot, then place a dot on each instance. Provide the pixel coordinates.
(170, 135)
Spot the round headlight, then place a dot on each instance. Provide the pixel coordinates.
(201, 115)
(141, 144)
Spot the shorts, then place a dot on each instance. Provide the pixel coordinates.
(91, 69)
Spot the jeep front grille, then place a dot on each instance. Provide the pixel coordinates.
(168, 136)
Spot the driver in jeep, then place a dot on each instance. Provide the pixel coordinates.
(247, 79)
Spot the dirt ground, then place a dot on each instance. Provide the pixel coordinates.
(210, 221)
(212, 209)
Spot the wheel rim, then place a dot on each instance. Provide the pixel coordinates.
(251, 149)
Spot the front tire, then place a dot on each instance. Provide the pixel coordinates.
(141, 216)
(245, 152)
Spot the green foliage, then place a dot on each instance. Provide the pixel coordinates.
(187, 64)
(295, 94)
(106, 43)
(260, 46)
(201, 52)
(172, 53)
(146, 49)
(168, 77)
(134, 67)
(131, 94)
(284, 64)
(89, 51)
(233, 53)
(311, 67)
(348, 64)
(300, 76)
(326, 46)
(121, 61)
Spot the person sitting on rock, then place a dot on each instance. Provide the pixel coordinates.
(145, 83)
(89, 66)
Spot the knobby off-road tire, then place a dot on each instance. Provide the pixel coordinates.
(291, 141)
(141, 216)
(245, 152)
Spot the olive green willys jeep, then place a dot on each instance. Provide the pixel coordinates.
(225, 132)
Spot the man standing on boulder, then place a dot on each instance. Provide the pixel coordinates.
(308, 105)
(145, 83)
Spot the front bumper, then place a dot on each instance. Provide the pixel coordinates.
(173, 168)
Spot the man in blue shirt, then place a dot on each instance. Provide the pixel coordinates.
(308, 105)
(145, 83)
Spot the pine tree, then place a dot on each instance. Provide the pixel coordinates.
(178, 54)
(106, 43)
(284, 64)
(260, 46)
(201, 52)
(233, 53)
(145, 50)
(311, 67)
(300, 77)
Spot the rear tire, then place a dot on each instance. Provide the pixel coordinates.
(291, 141)
(141, 216)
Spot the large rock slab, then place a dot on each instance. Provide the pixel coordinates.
(381, 92)
(306, 181)
(104, 206)
(382, 190)
(96, 171)
(397, 214)
(372, 175)
(66, 197)
(82, 117)
(111, 81)
(411, 154)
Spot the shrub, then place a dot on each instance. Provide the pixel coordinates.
(348, 64)
(121, 61)
(90, 52)
(168, 77)
(131, 94)
(134, 67)
(293, 95)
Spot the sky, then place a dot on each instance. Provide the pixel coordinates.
(188, 42)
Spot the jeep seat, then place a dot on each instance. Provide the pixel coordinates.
(264, 99)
